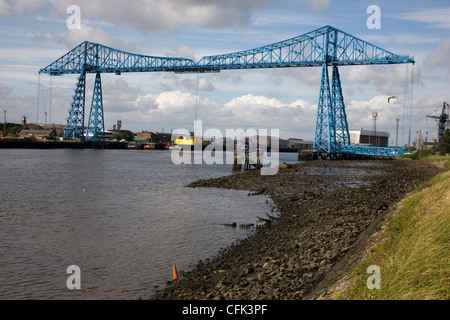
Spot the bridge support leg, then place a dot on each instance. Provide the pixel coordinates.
(324, 135)
(342, 134)
(331, 123)
(96, 126)
(75, 122)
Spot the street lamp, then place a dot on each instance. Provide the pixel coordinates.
(374, 126)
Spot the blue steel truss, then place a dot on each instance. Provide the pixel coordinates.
(75, 122)
(94, 57)
(326, 44)
(369, 151)
(324, 134)
(331, 122)
(324, 47)
(340, 117)
(96, 125)
(91, 57)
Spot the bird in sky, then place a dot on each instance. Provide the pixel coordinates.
(391, 97)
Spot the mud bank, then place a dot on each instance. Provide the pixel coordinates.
(328, 211)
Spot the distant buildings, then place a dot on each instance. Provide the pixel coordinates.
(421, 144)
(289, 144)
(41, 134)
(156, 137)
(117, 128)
(369, 138)
(299, 144)
(108, 135)
(144, 135)
(294, 143)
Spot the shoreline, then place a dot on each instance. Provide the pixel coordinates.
(52, 144)
(326, 221)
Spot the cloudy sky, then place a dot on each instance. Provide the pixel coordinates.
(34, 33)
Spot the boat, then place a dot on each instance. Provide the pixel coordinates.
(184, 141)
(190, 141)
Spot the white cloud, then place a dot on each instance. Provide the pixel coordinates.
(200, 84)
(387, 80)
(148, 16)
(18, 7)
(18, 105)
(181, 51)
(308, 76)
(296, 118)
(439, 59)
(436, 18)
(72, 38)
(177, 110)
(317, 4)
(250, 102)
(118, 95)
(359, 115)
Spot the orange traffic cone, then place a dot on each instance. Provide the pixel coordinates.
(175, 273)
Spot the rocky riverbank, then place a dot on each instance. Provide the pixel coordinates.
(328, 211)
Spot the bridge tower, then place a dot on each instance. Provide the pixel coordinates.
(75, 122)
(331, 130)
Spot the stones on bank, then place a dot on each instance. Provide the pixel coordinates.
(329, 210)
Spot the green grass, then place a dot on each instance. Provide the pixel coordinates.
(434, 158)
(428, 156)
(414, 257)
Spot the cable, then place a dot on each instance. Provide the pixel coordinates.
(411, 98)
(196, 99)
(38, 95)
(50, 107)
(405, 107)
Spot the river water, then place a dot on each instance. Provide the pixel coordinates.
(122, 216)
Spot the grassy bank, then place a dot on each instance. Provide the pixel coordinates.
(428, 156)
(414, 255)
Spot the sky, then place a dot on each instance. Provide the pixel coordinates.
(34, 33)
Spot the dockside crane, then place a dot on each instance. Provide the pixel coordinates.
(442, 120)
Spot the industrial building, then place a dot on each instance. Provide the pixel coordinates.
(299, 144)
(156, 137)
(369, 138)
(41, 134)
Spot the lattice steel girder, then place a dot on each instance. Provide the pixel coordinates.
(75, 122)
(324, 134)
(93, 57)
(340, 116)
(96, 125)
(331, 130)
(370, 151)
(326, 44)
(331, 134)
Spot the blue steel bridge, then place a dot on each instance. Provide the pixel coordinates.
(325, 47)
